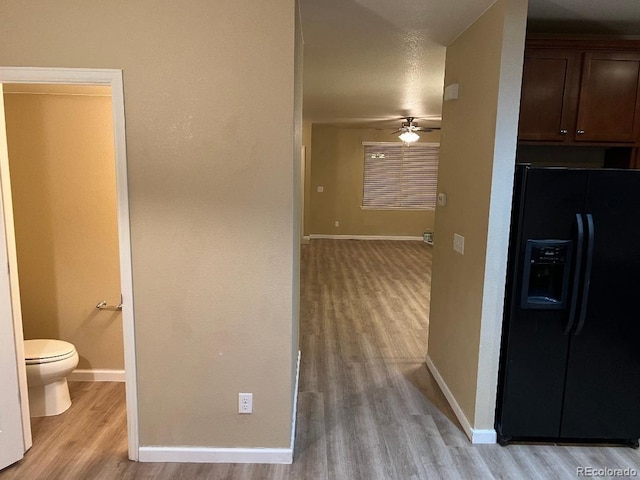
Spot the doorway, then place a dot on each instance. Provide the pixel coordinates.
(63, 193)
(111, 79)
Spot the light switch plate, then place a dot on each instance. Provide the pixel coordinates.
(458, 243)
(442, 199)
(451, 92)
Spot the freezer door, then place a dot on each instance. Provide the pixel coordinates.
(534, 345)
(602, 393)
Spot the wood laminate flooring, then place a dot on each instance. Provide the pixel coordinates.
(368, 407)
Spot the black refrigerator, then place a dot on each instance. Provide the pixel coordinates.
(570, 349)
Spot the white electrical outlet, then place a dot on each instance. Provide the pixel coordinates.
(245, 403)
(458, 243)
(320, 189)
(336, 223)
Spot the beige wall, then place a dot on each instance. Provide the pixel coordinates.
(338, 166)
(212, 206)
(477, 156)
(64, 201)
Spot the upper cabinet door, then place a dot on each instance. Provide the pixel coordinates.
(609, 105)
(550, 85)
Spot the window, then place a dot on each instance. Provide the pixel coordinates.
(400, 177)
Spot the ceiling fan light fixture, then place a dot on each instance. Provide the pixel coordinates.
(409, 137)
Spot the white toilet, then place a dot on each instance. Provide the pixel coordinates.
(48, 364)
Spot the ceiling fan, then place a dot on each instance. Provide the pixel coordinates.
(408, 130)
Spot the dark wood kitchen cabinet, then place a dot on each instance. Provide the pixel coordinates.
(609, 105)
(581, 93)
(549, 98)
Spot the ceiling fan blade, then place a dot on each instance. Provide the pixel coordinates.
(426, 129)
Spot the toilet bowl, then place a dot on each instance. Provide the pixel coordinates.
(48, 364)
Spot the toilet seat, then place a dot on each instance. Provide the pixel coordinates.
(47, 351)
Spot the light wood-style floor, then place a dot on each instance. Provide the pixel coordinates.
(368, 407)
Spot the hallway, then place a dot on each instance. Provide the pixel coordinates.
(368, 408)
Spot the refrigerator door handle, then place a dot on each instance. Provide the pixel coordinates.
(576, 274)
(586, 280)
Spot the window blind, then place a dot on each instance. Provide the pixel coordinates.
(400, 177)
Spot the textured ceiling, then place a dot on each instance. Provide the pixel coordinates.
(371, 62)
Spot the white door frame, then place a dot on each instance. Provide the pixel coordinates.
(303, 173)
(15, 430)
(112, 78)
(8, 242)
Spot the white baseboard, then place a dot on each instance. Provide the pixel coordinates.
(487, 436)
(477, 436)
(366, 237)
(305, 240)
(96, 375)
(215, 455)
(227, 455)
(295, 407)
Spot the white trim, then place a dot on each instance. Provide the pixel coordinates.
(303, 168)
(367, 237)
(6, 214)
(14, 430)
(484, 437)
(397, 209)
(112, 78)
(126, 273)
(96, 375)
(294, 415)
(400, 142)
(306, 239)
(215, 455)
(476, 436)
(71, 76)
(499, 211)
(462, 418)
